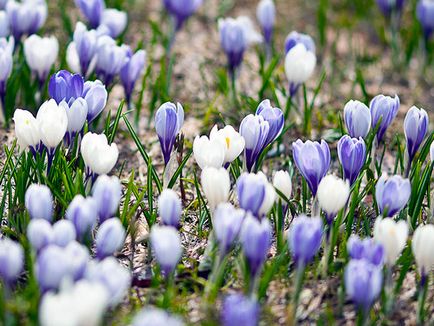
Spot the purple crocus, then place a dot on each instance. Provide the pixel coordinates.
(357, 119)
(363, 283)
(6, 66)
(239, 310)
(255, 130)
(11, 260)
(167, 247)
(425, 15)
(388, 7)
(86, 46)
(366, 249)
(95, 94)
(170, 207)
(274, 117)
(168, 122)
(181, 10)
(383, 111)
(233, 41)
(392, 194)
(312, 160)
(107, 192)
(304, 239)
(111, 59)
(26, 17)
(252, 191)
(255, 241)
(352, 155)
(39, 202)
(266, 15)
(227, 223)
(295, 38)
(92, 10)
(131, 71)
(415, 128)
(83, 213)
(65, 86)
(109, 238)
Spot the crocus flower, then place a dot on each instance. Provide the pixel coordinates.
(95, 94)
(26, 17)
(63, 233)
(357, 117)
(39, 202)
(181, 10)
(78, 259)
(366, 249)
(65, 86)
(388, 7)
(209, 152)
(255, 130)
(82, 212)
(255, 240)
(107, 192)
(99, 156)
(109, 238)
(131, 71)
(266, 15)
(227, 222)
(92, 10)
(41, 53)
(295, 38)
(26, 130)
(233, 142)
(216, 185)
(156, 317)
(392, 194)
(363, 283)
(415, 128)
(275, 119)
(77, 115)
(384, 108)
(312, 160)
(282, 182)
(255, 194)
(4, 24)
(115, 278)
(85, 45)
(40, 234)
(11, 260)
(115, 21)
(169, 207)
(425, 15)
(6, 63)
(167, 247)
(239, 310)
(110, 59)
(168, 123)
(392, 236)
(422, 244)
(304, 239)
(352, 155)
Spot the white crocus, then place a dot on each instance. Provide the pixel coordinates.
(423, 247)
(208, 152)
(98, 155)
(115, 21)
(233, 142)
(282, 182)
(77, 114)
(216, 185)
(392, 236)
(250, 33)
(269, 198)
(53, 122)
(167, 246)
(333, 194)
(41, 53)
(72, 58)
(299, 64)
(26, 129)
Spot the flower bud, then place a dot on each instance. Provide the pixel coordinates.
(392, 236)
(357, 119)
(333, 194)
(65, 86)
(255, 194)
(111, 59)
(131, 71)
(295, 38)
(78, 257)
(98, 156)
(282, 182)
(266, 15)
(352, 155)
(392, 194)
(82, 212)
(109, 238)
(227, 224)
(300, 64)
(167, 247)
(53, 123)
(26, 17)
(6, 63)
(4, 24)
(233, 142)
(366, 249)
(240, 310)
(76, 113)
(181, 10)
(157, 317)
(425, 15)
(169, 208)
(415, 128)
(107, 192)
(92, 10)
(85, 46)
(422, 245)
(95, 94)
(40, 234)
(168, 123)
(275, 119)
(64, 233)
(39, 202)
(115, 20)
(26, 130)
(383, 111)
(41, 53)
(216, 185)
(208, 152)
(11, 260)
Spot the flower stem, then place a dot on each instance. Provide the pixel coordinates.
(423, 287)
(299, 276)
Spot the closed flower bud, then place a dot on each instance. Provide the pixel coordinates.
(132, 70)
(181, 10)
(107, 192)
(366, 249)
(227, 224)
(332, 194)
(168, 123)
(169, 207)
(85, 46)
(363, 283)
(115, 20)
(98, 155)
(27, 17)
(392, 236)
(208, 152)
(40, 234)
(392, 194)
(110, 59)
(156, 317)
(82, 212)
(266, 15)
(282, 182)
(233, 142)
(53, 122)
(6, 63)
(240, 310)
(109, 238)
(425, 15)
(415, 128)
(274, 117)
(295, 38)
(383, 111)
(254, 130)
(312, 160)
(304, 239)
(95, 94)
(65, 86)
(300, 64)
(92, 10)
(41, 53)
(352, 155)
(357, 117)
(77, 113)
(39, 202)
(78, 259)
(422, 245)
(4, 24)
(26, 130)
(11, 260)
(216, 185)
(256, 241)
(167, 247)
(64, 233)
(255, 194)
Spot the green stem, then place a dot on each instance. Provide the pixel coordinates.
(299, 276)
(168, 294)
(423, 289)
